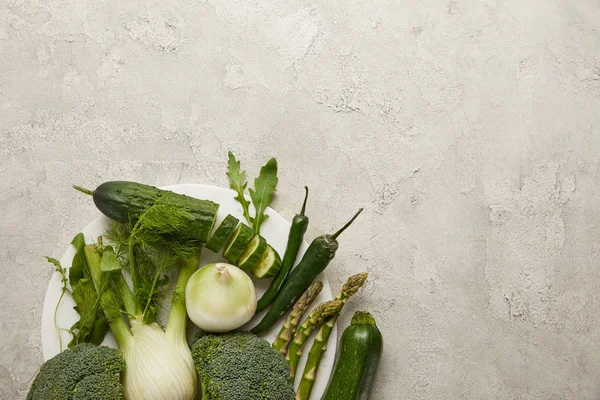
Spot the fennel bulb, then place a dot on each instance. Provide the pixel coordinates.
(220, 297)
(159, 365)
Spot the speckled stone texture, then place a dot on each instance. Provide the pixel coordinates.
(468, 129)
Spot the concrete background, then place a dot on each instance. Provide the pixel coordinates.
(468, 129)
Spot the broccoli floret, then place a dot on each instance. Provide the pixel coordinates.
(85, 371)
(241, 366)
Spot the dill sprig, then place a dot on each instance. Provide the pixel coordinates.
(150, 248)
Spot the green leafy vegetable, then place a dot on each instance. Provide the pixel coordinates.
(261, 195)
(264, 187)
(92, 325)
(237, 181)
(87, 306)
(56, 263)
(64, 289)
(151, 248)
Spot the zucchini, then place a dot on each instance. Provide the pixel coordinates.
(222, 234)
(269, 264)
(253, 254)
(124, 201)
(237, 243)
(356, 361)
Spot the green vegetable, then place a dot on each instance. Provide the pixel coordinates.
(318, 255)
(261, 195)
(238, 242)
(269, 264)
(288, 330)
(92, 325)
(319, 346)
(357, 360)
(125, 202)
(240, 366)
(310, 324)
(237, 181)
(295, 238)
(252, 255)
(84, 371)
(64, 289)
(222, 234)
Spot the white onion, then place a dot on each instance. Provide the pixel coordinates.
(220, 297)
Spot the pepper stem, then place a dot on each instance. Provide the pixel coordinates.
(343, 228)
(305, 198)
(83, 190)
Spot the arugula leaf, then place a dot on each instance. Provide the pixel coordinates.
(237, 182)
(63, 279)
(261, 196)
(55, 262)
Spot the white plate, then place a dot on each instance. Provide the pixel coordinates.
(275, 230)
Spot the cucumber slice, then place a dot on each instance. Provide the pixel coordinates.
(269, 264)
(238, 242)
(253, 254)
(222, 234)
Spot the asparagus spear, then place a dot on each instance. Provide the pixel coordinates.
(311, 323)
(320, 344)
(288, 330)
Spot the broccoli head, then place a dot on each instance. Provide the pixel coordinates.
(241, 366)
(85, 371)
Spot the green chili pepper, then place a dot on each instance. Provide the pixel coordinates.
(295, 238)
(318, 255)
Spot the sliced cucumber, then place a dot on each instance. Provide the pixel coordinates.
(253, 254)
(222, 234)
(269, 264)
(238, 242)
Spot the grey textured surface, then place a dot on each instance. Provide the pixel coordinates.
(468, 129)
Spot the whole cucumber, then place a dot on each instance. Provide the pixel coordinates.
(124, 201)
(356, 361)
